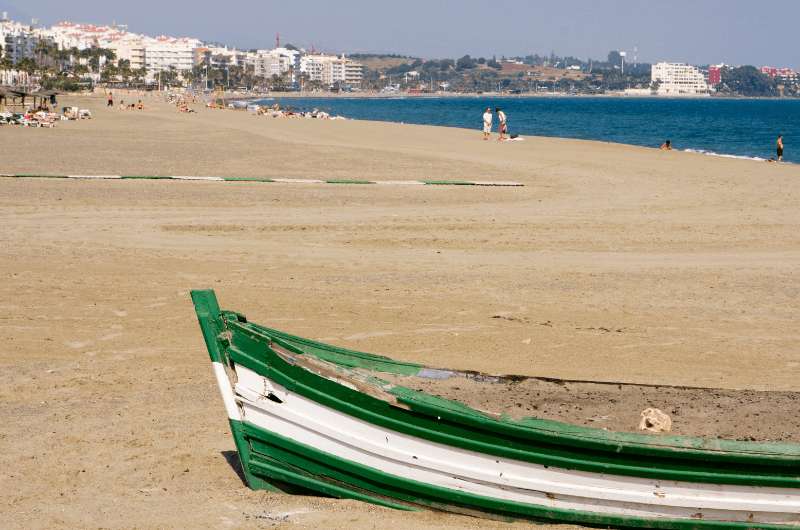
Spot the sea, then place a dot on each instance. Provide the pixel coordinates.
(746, 128)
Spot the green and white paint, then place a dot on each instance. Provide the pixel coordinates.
(300, 420)
(278, 180)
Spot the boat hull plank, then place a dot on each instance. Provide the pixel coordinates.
(305, 416)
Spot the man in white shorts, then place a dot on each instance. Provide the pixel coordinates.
(487, 123)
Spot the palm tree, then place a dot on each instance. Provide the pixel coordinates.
(27, 65)
(124, 69)
(5, 60)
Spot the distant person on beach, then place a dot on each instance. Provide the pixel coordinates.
(487, 123)
(140, 106)
(780, 148)
(666, 146)
(110, 99)
(503, 126)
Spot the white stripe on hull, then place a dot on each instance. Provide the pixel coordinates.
(394, 453)
(225, 388)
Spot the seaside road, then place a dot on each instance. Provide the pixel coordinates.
(616, 263)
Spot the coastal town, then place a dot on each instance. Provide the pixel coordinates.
(71, 56)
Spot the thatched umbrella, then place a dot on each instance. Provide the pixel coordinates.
(44, 95)
(8, 93)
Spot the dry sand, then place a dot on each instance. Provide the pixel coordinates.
(743, 415)
(110, 416)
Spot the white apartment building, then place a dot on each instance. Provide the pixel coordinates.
(164, 53)
(353, 73)
(330, 69)
(221, 56)
(277, 62)
(677, 79)
(68, 35)
(127, 46)
(132, 50)
(18, 40)
(154, 54)
(314, 67)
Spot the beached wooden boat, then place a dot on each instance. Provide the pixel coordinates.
(312, 418)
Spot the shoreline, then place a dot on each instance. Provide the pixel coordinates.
(152, 98)
(693, 150)
(468, 95)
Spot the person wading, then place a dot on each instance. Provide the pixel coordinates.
(780, 148)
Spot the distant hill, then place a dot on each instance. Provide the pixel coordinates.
(378, 61)
(544, 73)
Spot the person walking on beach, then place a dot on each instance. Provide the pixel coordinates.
(487, 123)
(110, 99)
(503, 126)
(780, 148)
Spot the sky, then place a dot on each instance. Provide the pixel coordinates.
(694, 31)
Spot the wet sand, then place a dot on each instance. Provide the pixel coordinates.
(613, 263)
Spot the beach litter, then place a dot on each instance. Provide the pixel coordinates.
(655, 420)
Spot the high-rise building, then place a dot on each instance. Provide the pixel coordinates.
(353, 73)
(165, 53)
(715, 75)
(278, 61)
(330, 69)
(18, 41)
(676, 79)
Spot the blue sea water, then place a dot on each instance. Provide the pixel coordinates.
(738, 127)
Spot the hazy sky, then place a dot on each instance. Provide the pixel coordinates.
(698, 31)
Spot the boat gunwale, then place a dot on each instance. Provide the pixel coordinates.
(433, 406)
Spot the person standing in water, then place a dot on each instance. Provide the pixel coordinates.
(780, 148)
(487, 123)
(503, 126)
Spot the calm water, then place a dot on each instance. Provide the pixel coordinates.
(746, 128)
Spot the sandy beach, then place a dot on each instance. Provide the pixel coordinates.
(612, 263)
